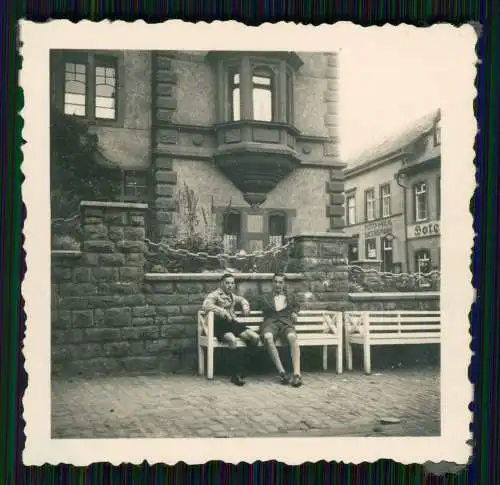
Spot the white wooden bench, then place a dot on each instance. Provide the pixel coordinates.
(314, 328)
(389, 328)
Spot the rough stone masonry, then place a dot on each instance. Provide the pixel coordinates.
(109, 317)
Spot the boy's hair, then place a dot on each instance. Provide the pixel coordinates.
(227, 275)
(279, 275)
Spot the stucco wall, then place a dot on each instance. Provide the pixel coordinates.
(303, 190)
(309, 94)
(195, 90)
(129, 145)
(374, 179)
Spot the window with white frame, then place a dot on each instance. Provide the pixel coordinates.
(423, 261)
(350, 210)
(385, 200)
(232, 231)
(134, 185)
(277, 229)
(371, 248)
(89, 87)
(420, 191)
(370, 205)
(262, 95)
(234, 96)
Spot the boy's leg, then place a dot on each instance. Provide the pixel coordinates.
(233, 361)
(269, 334)
(293, 343)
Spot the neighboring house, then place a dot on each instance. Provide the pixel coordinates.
(253, 134)
(393, 200)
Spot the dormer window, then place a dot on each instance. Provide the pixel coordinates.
(437, 134)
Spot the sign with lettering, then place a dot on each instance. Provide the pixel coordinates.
(378, 228)
(425, 229)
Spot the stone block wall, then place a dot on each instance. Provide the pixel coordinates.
(429, 300)
(322, 260)
(110, 317)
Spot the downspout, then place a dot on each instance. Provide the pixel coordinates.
(398, 176)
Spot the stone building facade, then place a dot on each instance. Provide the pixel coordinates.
(393, 201)
(252, 134)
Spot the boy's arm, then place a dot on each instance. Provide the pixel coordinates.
(295, 309)
(245, 305)
(210, 305)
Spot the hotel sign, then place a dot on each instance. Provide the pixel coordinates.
(378, 228)
(425, 229)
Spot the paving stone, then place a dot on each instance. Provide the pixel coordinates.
(167, 406)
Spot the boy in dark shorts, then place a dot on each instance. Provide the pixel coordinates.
(223, 302)
(280, 310)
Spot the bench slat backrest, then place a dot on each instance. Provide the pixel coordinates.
(394, 322)
(309, 321)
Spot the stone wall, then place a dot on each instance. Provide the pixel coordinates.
(429, 300)
(109, 316)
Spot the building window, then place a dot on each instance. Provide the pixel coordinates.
(371, 249)
(235, 96)
(438, 198)
(437, 134)
(255, 85)
(232, 231)
(422, 261)
(90, 86)
(352, 252)
(277, 229)
(420, 196)
(75, 89)
(134, 186)
(289, 100)
(387, 254)
(385, 200)
(351, 210)
(262, 95)
(370, 205)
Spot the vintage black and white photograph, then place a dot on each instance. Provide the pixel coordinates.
(249, 240)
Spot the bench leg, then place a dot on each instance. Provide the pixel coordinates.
(348, 352)
(340, 358)
(325, 357)
(201, 361)
(210, 362)
(367, 358)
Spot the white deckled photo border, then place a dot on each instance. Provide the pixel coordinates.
(459, 127)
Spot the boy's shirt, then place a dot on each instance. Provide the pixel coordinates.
(222, 303)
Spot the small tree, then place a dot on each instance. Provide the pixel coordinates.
(74, 173)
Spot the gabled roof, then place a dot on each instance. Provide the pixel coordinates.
(396, 143)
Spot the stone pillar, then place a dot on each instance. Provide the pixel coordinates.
(164, 108)
(322, 259)
(331, 103)
(113, 241)
(165, 187)
(335, 210)
(113, 258)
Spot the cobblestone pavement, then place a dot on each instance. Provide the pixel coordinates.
(171, 406)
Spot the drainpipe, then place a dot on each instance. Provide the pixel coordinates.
(399, 175)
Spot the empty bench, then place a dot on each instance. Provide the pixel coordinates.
(314, 328)
(389, 328)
